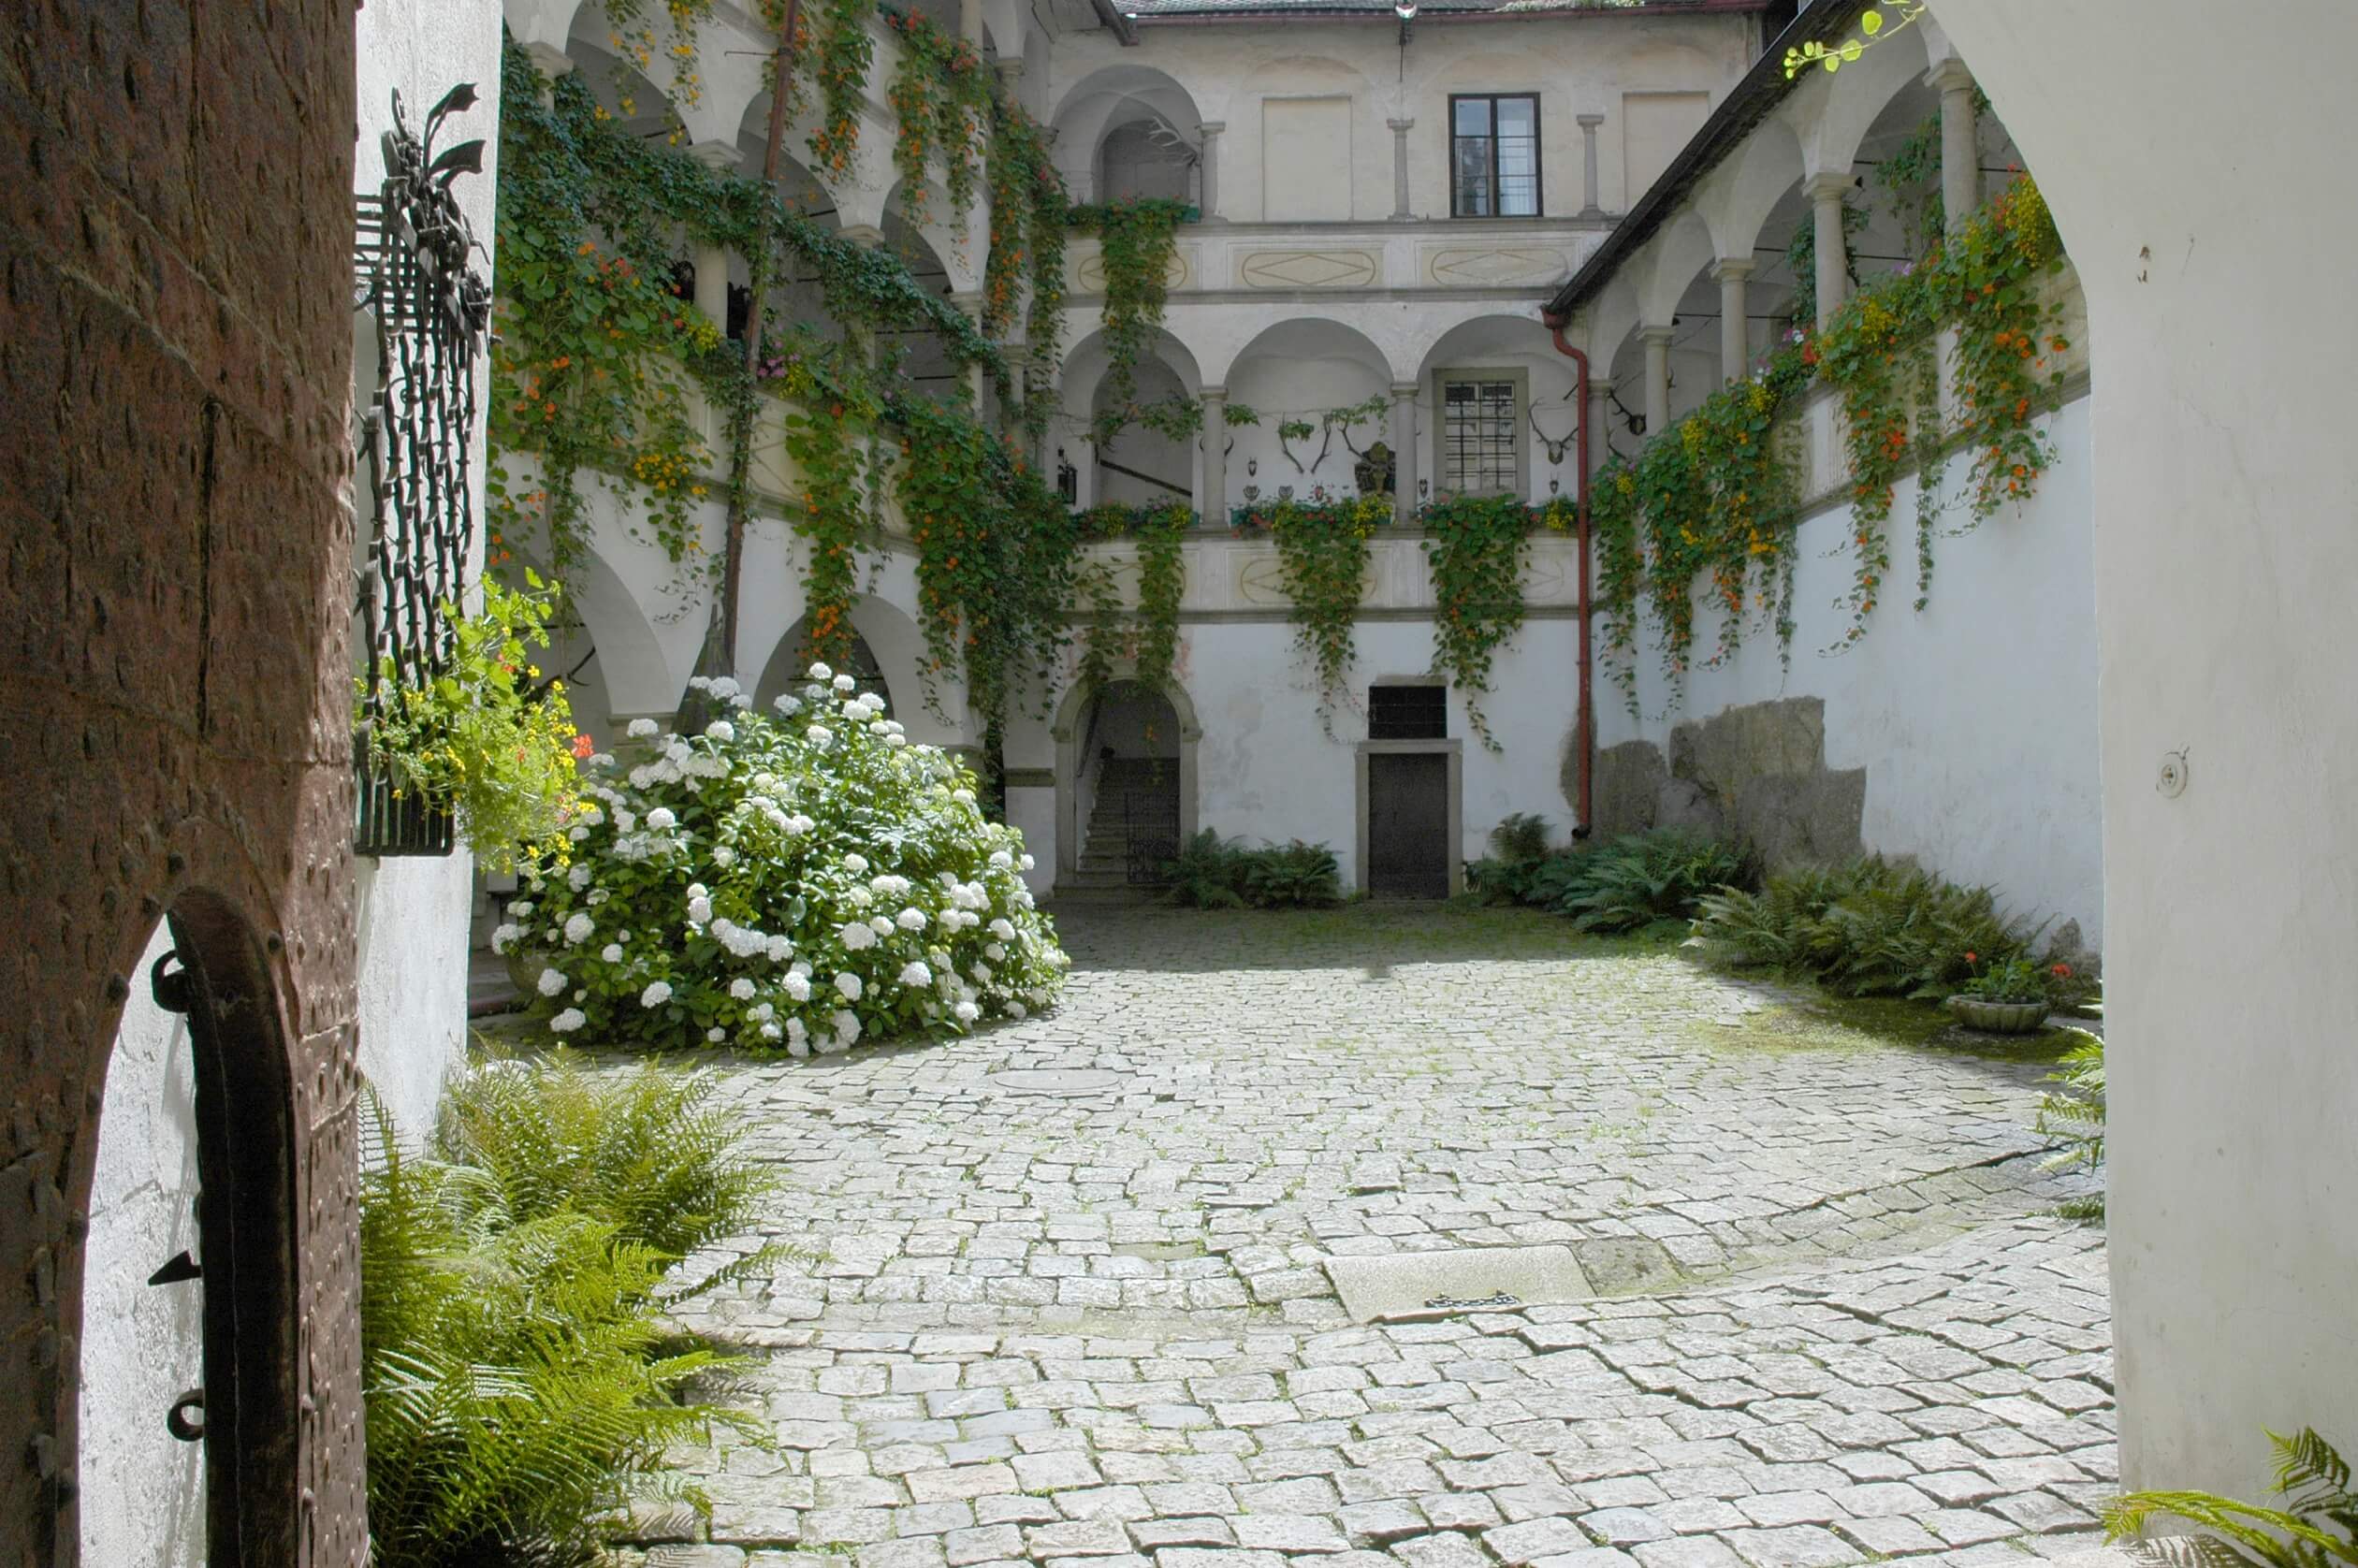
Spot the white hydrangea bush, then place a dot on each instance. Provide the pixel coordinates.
(801, 880)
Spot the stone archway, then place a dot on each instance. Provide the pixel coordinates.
(1070, 731)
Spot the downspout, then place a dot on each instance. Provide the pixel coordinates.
(1555, 323)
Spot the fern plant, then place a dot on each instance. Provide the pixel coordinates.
(1204, 874)
(1647, 877)
(2317, 1527)
(1296, 876)
(522, 1382)
(1520, 838)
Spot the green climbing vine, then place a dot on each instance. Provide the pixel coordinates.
(841, 50)
(1476, 547)
(1721, 494)
(1136, 241)
(1322, 554)
(943, 96)
(1149, 637)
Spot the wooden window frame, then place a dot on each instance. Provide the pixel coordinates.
(1539, 155)
(1520, 488)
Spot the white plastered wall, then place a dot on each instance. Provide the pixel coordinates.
(414, 913)
(1974, 718)
(2223, 486)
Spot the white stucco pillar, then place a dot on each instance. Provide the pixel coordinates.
(1400, 129)
(552, 63)
(1010, 76)
(1658, 342)
(970, 305)
(711, 261)
(1600, 416)
(1589, 187)
(1960, 146)
(970, 22)
(1826, 193)
(1210, 205)
(1735, 342)
(1404, 446)
(1211, 501)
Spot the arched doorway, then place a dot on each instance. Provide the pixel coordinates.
(187, 1404)
(1126, 781)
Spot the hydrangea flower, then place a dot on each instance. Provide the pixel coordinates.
(855, 863)
(722, 731)
(842, 683)
(568, 1021)
(856, 937)
(660, 819)
(849, 984)
(916, 974)
(504, 936)
(819, 734)
(656, 994)
(821, 672)
(966, 1012)
(798, 987)
(787, 703)
(613, 953)
(642, 727)
(742, 989)
(551, 982)
(911, 920)
(847, 1031)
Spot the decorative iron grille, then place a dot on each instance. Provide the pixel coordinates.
(411, 252)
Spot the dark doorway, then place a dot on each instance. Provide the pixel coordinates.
(1408, 824)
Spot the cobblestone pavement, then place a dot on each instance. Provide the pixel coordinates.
(1836, 1324)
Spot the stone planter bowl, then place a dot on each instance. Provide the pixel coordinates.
(1998, 1018)
(524, 971)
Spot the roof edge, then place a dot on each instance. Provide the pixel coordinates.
(1367, 11)
(1758, 91)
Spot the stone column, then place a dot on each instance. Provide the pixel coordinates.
(1735, 340)
(1600, 416)
(1400, 129)
(1210, 204)
(552, 63)
(1589, 189)
(712, 262)
(971, 306)
(1011, 75)
(1961, 146)
(970, 22)
(857, 337)
(1826, 193)
(1211, 501)
(1658, 342)
(1404, 446)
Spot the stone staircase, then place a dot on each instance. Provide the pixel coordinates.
(1134, 793)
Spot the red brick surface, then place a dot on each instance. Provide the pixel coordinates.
(175, 345)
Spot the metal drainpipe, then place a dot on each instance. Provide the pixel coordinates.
(1555, 325)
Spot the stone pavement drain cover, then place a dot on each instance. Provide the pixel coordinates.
(1412, 1285)
(1057, 1081)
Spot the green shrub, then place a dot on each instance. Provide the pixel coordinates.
(1646, 877)
(796, 881)
(2319, 1525)
(1869, 928)
(2074, 1111)
(1521, 838)
(1294, 876)
(1213, 873)
(1622, 885)
(522, 1382)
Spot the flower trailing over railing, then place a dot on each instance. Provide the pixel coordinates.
(1136, 241)
(1720, 493)
(1159, 531)
(1476, 547)
(842, 49)
(943, 96)
(1322, 555)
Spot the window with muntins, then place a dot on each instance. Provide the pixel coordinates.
(1480, 428)
(1494, 156)
(1407, 712)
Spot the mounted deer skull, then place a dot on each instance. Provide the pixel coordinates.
(1556, 446)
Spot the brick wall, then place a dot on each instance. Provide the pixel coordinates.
(175, 229)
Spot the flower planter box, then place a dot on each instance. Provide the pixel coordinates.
(1998, 1018)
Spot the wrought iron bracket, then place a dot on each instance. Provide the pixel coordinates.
(173, 988)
